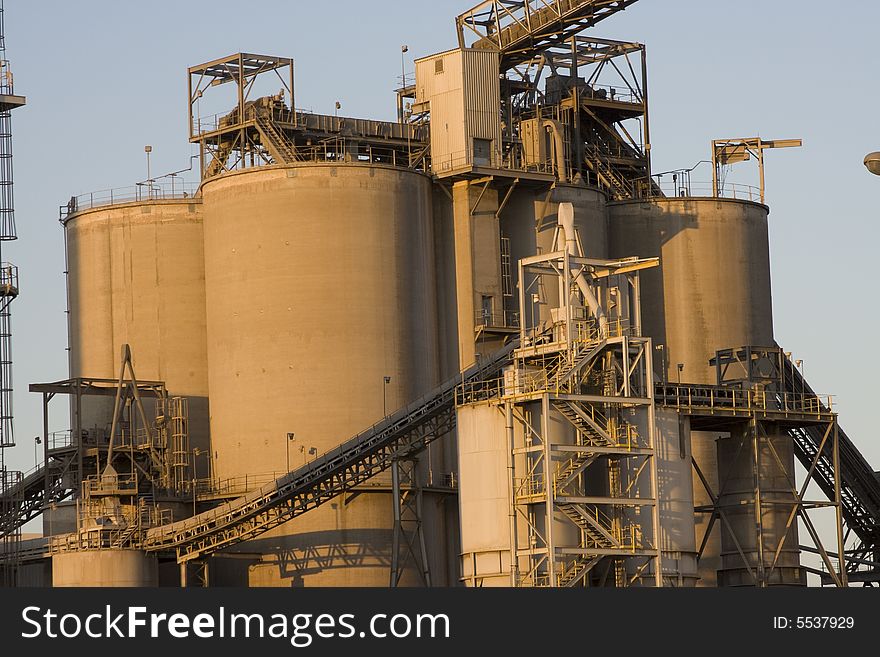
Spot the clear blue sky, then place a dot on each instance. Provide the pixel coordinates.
(105, 78)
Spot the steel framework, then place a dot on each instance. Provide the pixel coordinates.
(518, 28)
(270, 130)
(10, 480)
(594, 377)
(752, 401)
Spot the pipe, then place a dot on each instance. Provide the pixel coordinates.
(559, 148)
(566, 222)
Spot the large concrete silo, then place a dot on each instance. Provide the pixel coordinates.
(711, 292)
(319, 286)
(136, 277)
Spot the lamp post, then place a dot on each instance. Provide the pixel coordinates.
(291, 436)
(149, 149)
(663, 373)
(403, 50)
(680, 368)
(37, 441)
(386, 380)
(197, 452)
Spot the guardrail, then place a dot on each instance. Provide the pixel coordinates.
(689, 397)
(144, 191)
(684, 189)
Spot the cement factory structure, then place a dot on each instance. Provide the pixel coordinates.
(483, 345)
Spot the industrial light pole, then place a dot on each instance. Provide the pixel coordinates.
(403, 50)
(291, 436)
(149, 149)
(386, 381)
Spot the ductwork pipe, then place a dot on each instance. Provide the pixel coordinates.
(559, 148)
(566, 223)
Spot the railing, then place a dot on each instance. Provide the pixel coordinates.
(59, 440)
(465, 159)
(100, 483)
(8, 279)
(735, 399)
(145, 191)
(684, 189)
(497, 318)
(235, 486)
(610, 93)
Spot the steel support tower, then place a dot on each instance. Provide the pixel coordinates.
(9, 541)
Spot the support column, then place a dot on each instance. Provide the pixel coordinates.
(477, 262)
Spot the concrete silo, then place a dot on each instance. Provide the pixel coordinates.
(321, 318)
(712, 292)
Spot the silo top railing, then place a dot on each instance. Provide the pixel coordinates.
(140, 192)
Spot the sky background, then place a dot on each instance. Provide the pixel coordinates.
(105, 78)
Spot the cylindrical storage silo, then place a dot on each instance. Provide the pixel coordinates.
(736, 458)
(484, 459)
(105, 568)
(711, 292)
(136, 277)
(321, 318)
(675, 497)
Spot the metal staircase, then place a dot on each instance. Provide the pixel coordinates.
(569, 368)
(595, 536)
(397, 436)
(25, 500)
(592, 430)
(609, 178)
(279, 146)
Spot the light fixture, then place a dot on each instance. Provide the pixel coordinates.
(872, 162)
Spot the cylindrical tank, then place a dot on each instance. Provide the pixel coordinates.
(736, 458)
(485, 490)
(136, 276)
(711, 292)
(676, 498)
(105, 568)
(321, 318)
(484, 495)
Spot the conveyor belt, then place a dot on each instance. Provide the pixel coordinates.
(860, 489)
(520, 29)
(403, 433)
(27, 498)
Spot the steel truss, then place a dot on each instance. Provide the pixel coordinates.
(755, 402)
(519, 27)
(598, 483)
(593, 377)
(408, 537)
